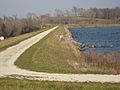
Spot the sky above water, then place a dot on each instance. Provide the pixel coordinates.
(22, 7)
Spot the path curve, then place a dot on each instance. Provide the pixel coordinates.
(10, 55)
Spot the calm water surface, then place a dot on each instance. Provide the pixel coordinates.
(107, 36)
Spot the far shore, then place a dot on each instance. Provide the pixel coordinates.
(92, 25)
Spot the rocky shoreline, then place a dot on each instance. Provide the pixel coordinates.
(75, 45)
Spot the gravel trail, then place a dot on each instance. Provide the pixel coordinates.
(10, 55)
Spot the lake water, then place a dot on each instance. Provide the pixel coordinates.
(106, 39)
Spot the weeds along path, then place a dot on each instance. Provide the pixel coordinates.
(10, 55)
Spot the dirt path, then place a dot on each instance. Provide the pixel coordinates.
(10, 55)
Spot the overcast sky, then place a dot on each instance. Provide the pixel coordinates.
(22, 7)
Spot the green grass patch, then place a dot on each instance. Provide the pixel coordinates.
(14, 84)
(49, 55)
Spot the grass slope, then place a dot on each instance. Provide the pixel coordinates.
(49, 55)
(55, 56)
(14, 84)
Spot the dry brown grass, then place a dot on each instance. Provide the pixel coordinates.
(91, 25)
(104, 61)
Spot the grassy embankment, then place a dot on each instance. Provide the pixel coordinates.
(15, 40)
(14, 84)
(57, 56)
(50, 55)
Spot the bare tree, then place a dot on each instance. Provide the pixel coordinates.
(59, 13)
(80, 11)
(74, 11)
(67, 13)
(15, 16)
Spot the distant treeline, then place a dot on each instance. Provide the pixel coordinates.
(13, 26)
(103, 13)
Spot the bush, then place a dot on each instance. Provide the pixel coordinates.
(28, 29)
(11, 28)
